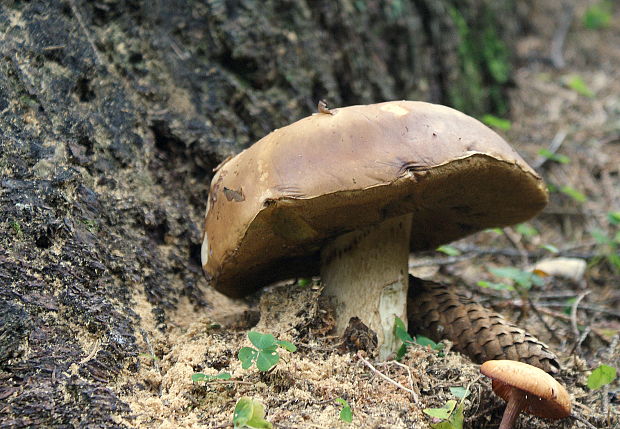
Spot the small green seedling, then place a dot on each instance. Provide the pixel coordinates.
(555, 157)
(149, 355)
(526, 230)
(346, 415)
(577, 84)
(520, 279)
(265, 355)
(450, 416)
(495, 122)
(598, 15)
(400, 331)
(601, 376)
(199, 376)
(449, 250)
(574, 194)
(609, 242)
(250, 413)
(550, 248)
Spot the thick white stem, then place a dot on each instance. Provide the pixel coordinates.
(365, 273)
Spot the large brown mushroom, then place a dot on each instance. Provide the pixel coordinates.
(526, 388)
(348, 193)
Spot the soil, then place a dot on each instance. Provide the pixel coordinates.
(301, 391)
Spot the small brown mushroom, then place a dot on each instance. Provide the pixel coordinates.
(526, 388)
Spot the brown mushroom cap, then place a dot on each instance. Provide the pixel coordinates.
(545, 396)
(273, 206)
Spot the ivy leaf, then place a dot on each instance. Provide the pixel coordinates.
(601, 376)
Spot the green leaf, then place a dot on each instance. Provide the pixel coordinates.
(267, 359)
(614, 218)
(449, 250)
(400, 331)
(262, 341)
(601, 376)
(494, 286)
(576, 83)
(573, 193)
(600, 237)
(287, 345)
(550, 247)
(247, 356)
(346, 415)
(526, 230)
(442, 413)
(562, 159)
(304, 282)
(495, 122)
(459, 392)
(206, 377)
(425, 341)
(523, 278)
(598, 15)
(250, 413)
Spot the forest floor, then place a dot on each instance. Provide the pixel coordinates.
(572, 111)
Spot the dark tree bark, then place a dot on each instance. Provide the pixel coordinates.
(113, 114)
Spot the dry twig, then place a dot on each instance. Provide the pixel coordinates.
(386, 378)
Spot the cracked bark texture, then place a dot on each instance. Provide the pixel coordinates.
(441, 312)
(113, 114)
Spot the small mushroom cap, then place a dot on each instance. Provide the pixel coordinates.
(545, 396)
(273, 207)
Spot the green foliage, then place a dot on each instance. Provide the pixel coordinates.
(346, 415)
(449, 250)
(526, 230)
(265, 355)
(609, 243)
(573, 193)
(495, 122)
(450, 416)
(400, 331)
(524, 280)
(598, 15)
(250, 413)
(577, 84)
(601, 376)
(199, 376)
(559, 158)
(17, 228)
(303, 282)
(550, 248)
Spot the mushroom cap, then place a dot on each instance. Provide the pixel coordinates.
(545, 396)
(273, 206)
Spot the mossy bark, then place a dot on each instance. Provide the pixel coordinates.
(112, 117)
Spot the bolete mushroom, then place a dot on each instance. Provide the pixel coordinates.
(526, 388)
(347, 193)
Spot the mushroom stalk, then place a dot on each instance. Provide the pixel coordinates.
(366, 274)
(514, 406)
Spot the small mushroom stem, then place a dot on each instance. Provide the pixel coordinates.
(366, 274)
(514, 406)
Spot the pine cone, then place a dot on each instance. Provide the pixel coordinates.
(439, 312)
